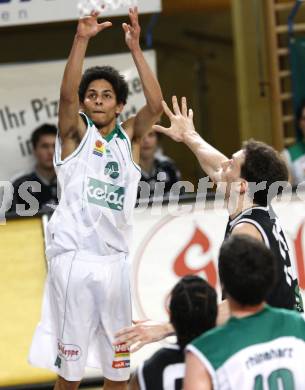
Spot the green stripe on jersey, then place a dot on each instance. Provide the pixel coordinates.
(221, 343)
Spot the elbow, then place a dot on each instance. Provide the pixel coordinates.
(156, 109)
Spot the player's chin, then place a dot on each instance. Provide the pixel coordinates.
(101, 119)
(48, 165)
(99, 122)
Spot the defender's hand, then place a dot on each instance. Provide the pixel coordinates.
(132, 30)
(89, 26)
(181, 121)
(143, 332)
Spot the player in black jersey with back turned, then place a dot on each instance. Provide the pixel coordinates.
(249, 179)
(193, 310)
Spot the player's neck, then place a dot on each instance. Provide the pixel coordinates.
(237, 206)
(239, 311)
(46, 173)
(107, 129)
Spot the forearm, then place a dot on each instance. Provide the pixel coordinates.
(151, 87)
(73, 70)
(168, 329)
(208, 157)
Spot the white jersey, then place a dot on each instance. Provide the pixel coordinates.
(262, 351)
(98, 189)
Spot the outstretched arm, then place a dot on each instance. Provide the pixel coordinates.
(70, 124)
(147, 331)
(182, 129)
(142, 333)
(151, 112)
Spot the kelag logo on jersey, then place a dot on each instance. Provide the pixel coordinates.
(112, 170)
(105, 194)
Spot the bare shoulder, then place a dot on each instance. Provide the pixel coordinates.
(249, 229)
(128, 126)
(196, 374)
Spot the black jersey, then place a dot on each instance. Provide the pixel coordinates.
(286, 293)
(163, 371)
(46, 195)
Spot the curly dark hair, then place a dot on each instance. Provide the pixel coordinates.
(193, 308)
(264, 166)
(109, 74)
(247, 269)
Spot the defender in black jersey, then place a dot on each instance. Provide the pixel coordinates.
(250, 179)
(193, 310)
(286, 292)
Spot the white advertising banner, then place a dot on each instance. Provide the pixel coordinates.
(17, 12)
(29, 97)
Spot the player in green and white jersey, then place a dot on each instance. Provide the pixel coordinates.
(260, 347)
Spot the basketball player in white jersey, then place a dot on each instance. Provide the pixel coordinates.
(87, 295)
(249, 180)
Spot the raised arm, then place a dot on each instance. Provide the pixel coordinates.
(151, 112)
(182, 129)
(71, 126)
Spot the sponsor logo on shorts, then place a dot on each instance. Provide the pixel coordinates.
(112, 170)
(69, 352)
(121, 356)
(121, 364)
(99, 148)
(105, 194)
(121, 348)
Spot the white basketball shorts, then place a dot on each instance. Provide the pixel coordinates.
(86, 301)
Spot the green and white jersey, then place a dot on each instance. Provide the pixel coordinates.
(98, 189)
(295, 157)
(264, 351)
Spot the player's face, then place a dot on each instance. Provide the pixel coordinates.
(231, 171)
(100, 103)
(44, 151)
(148, 145)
